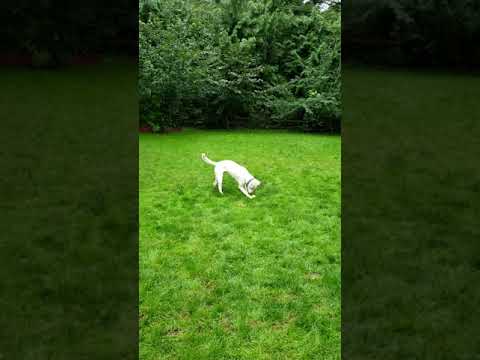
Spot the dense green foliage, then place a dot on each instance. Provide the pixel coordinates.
(433, 32)
(271, 63)
(54, 29)
(225, 277)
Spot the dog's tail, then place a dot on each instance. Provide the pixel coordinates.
(207, 160)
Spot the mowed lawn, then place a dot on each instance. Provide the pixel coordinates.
(225, 277)
(69, 212)
(411, 191)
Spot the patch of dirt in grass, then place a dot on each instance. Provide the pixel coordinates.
(313, 276)
(227, 325)
(208, 285)
(285, 298)
(175, 332)
(256, 323)
(285, 323)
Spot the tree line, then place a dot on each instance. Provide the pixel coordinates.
(53, 30)
(412, 32)
(240, 63)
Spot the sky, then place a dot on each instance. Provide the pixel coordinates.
(322, 7)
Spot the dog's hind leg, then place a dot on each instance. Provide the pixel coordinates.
(219, 180)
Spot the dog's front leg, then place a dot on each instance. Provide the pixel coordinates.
(246, 192)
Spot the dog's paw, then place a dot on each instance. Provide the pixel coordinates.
(252, 196)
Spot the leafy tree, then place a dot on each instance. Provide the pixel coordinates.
(410, 32)
(53, 30)
(269, 63)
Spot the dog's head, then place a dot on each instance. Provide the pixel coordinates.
(253, 185)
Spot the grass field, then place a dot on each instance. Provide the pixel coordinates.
(410, 213)
(225, 277)
(69, 212)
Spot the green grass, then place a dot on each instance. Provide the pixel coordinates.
(69, 212)
(410, 231)
(225, 277)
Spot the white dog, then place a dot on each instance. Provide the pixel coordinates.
(246, 181)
